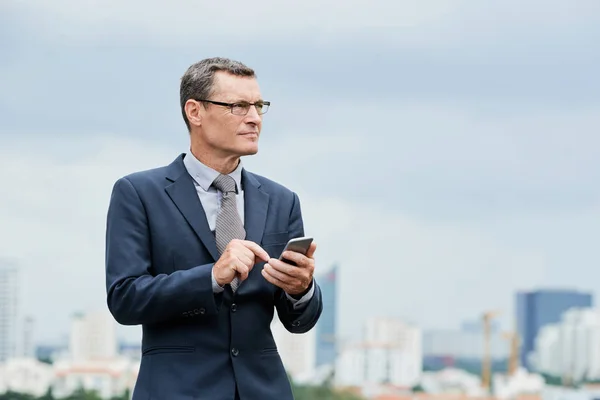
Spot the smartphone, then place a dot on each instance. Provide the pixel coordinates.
(299, 245)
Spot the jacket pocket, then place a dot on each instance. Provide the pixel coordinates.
(274, 239)
(167, 349)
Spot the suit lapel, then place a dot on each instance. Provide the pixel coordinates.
(183, 193)
(256, 205)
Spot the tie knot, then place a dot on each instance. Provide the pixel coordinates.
(225, 183)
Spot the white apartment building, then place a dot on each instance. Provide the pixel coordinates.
(591, 392)
(570, 349)
(391, 354)
(520, 383)
(297, 351)
(93, 337)
(109, 378)
(9, 312)
(452, 381)
(25, 375)
(93, 361)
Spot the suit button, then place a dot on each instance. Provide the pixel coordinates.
(296, 323)
(202, 311)
(185, 314)
(235, 352)
(233, 307)
(196, 311)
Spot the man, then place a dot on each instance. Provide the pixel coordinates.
(192, 253)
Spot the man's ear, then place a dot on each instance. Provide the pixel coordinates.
(193, 112)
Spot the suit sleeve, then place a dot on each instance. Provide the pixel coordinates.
(305, 318)
(134, 294)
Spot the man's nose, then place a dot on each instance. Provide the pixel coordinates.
(253, 116)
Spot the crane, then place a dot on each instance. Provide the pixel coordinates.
(486, 362)
(513, 360)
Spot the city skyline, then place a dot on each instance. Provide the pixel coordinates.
(392, 354)
(131, 335)
(463, 341)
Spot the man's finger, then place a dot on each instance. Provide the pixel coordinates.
(311, 250)
(278, 274)
(283, 271)
(300, 259)
(271, 279)
(292, 256)
(246, 256)
(243, 271)
(288, 269)
(256, 249)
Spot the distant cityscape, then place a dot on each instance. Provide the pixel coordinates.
(553, 351)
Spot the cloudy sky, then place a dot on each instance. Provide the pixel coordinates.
(446, 152)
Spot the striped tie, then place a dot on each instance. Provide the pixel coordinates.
(229, 224)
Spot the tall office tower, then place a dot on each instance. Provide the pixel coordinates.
(537, 309)
(326, 327)
(9, 316)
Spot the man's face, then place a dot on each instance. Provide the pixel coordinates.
(224, 132)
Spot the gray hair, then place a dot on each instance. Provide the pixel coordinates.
(197, 82)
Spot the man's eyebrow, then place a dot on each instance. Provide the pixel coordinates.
(261, 100)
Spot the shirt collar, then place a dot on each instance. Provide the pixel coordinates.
(204, 176)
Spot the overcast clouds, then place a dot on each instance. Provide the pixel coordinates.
(462, 138)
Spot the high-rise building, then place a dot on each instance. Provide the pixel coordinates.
(391, 354)
(297, 351)
(326, 327)
(537, 309)
(9, 313)
(570, 349)
(93, 361)
(93, 336)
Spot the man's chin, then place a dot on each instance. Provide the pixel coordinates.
(248, 151)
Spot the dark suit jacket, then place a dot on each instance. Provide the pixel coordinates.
(159, 257)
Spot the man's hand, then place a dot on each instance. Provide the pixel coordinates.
(293, 279)
(238, 258)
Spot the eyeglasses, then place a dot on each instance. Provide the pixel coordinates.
(242, 107)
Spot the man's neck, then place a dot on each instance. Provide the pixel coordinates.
(224, 165)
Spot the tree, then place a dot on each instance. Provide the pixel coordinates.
(45, 360)
(552, 380)
(16, 396)
(124, 396)
(81, 394)
(418, 388)
(321, 392)
(47, 396)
